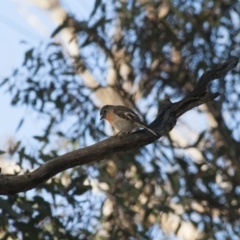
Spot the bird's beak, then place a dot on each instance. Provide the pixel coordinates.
(101, 117)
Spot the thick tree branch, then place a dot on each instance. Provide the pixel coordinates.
(165, 121)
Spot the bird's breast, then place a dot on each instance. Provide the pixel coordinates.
(110, 117)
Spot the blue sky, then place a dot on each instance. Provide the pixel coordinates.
(15, 30)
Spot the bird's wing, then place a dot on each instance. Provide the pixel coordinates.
(128, 115)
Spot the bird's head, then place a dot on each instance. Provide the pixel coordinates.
(104, 111)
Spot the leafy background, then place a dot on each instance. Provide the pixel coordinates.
(185, 185)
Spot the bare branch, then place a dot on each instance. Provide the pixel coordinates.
(165, 121)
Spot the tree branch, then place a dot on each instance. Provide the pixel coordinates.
(165, 121)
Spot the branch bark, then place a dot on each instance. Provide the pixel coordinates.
(164, 122)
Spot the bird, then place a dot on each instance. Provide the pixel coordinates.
(123, 119)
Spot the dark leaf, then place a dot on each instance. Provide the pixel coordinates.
(20, 124)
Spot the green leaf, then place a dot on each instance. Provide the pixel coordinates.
(95, 8)
(28, 55)
(4, 81)
(20, 124)
(59, 28)
(2, 152)
(41, 138)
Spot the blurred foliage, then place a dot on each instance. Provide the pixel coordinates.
(144, 193)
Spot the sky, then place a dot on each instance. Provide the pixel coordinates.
(14, 30)
(17, 36)
(23, 26)
(18, 21)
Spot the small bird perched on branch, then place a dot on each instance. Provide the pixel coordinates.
(123, 118)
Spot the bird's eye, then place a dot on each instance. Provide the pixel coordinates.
(103, 112)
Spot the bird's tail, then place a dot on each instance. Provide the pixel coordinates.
(150, 130)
